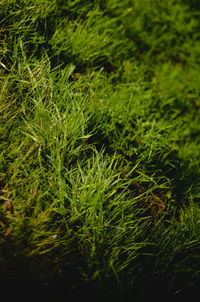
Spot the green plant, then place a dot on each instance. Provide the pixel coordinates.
(99, 146)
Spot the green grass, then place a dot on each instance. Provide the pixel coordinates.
(99, 146)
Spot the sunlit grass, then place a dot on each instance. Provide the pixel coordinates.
(99, 145)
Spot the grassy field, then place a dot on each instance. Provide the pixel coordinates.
(99, 147)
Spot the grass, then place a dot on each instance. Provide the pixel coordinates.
(99, 147)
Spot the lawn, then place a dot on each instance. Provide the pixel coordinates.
(99, 147)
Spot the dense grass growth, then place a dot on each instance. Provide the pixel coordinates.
(99, 146)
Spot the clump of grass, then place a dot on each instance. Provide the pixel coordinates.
(99, 149)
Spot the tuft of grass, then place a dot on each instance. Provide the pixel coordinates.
(99, 147)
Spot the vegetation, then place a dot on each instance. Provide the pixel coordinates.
(99, 146)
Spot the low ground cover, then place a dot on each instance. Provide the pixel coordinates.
(99, 146)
